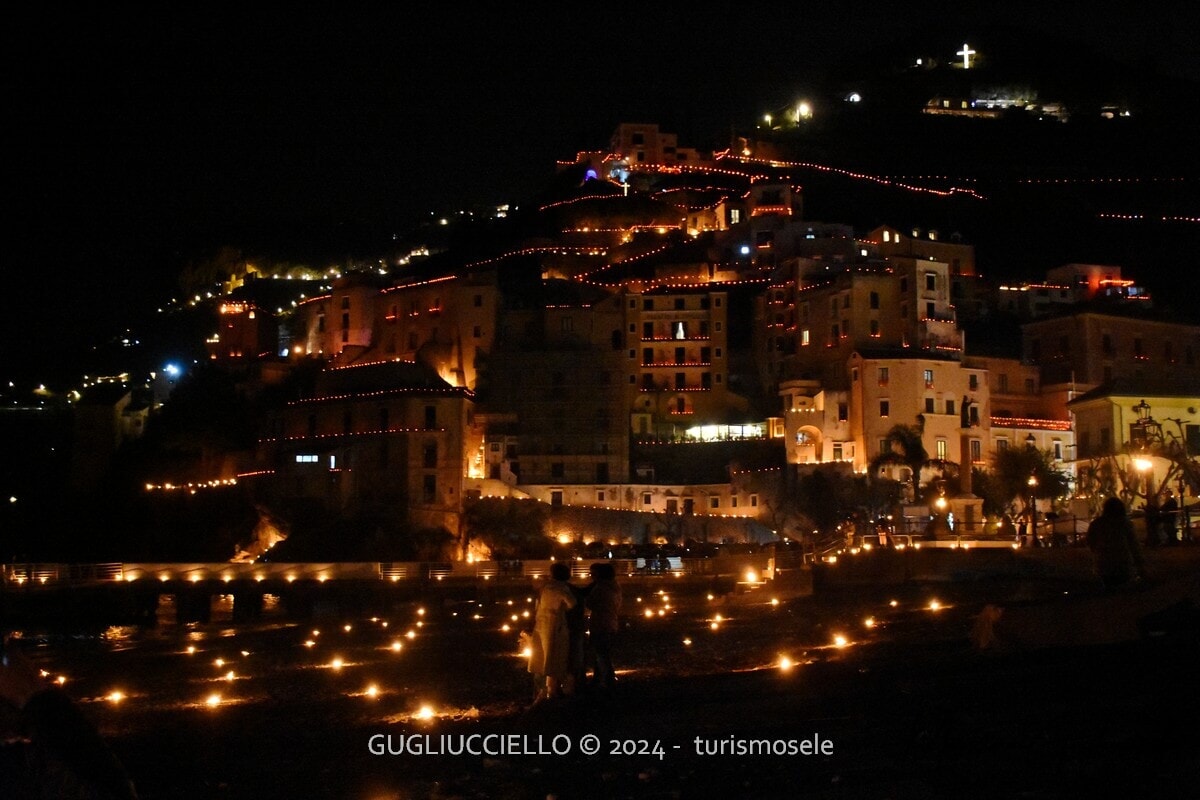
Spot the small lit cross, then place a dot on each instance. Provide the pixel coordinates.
(966, 53)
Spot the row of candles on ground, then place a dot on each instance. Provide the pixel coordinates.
(215, 699)
(785, 663)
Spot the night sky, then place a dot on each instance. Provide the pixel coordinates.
(146, 137)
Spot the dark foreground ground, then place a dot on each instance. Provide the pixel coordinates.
(912, 709)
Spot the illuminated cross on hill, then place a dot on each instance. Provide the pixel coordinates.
(966, 53)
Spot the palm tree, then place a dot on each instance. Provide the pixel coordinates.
(905, 447)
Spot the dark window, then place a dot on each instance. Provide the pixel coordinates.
(843, 412)
(647, 355)
(556, 497)
(928, 405)
(383, 419)
(648, 304)
(874, 299)
(678, 303)
(430, 416)
(429, 488)
(557, 470)
(949, 406)
(680, 380)
(429, 455)
(647, 330)
(884, 408)
(347, 421)
(602, 473)
(478, 301)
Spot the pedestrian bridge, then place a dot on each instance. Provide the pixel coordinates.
(758, 566)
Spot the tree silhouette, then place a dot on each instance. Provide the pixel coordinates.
(905, 447)
(1008, 476)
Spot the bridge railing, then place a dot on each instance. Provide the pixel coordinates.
(32, 574)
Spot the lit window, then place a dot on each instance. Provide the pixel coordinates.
(941, 449)
(306, 459)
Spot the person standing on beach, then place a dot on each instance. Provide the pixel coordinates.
(54, 749)
(577, 640)
(1117, 552)
(551, 650)
(1170, 518)
(604, 606)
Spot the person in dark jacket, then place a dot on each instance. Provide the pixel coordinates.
(604, 608)
(56, 751)
(1117, 552)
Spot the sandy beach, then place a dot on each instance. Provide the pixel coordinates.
(865, 692)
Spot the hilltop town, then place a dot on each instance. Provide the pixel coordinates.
(663, 349)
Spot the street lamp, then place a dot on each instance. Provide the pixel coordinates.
(1033, 482)
(1147, 431)
(1146, 467)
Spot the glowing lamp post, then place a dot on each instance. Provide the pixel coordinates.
(1146, 431)
(1031, 443)
(1033, 482)
(1146, 467)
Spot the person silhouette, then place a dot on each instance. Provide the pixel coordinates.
(58, 752)
(1118, 556)
(1169, 518)
(604, 623)
(550, 659)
